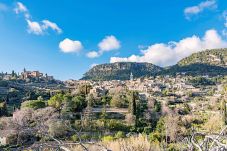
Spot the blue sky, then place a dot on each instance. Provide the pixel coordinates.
(56, 37)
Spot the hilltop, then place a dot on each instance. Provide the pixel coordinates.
(209, 62)
(214, 57)
(121, 71)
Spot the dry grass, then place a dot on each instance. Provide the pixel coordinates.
(139, 143)
(214, 124)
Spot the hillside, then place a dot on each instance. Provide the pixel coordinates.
(210, 62)
(120, 71)
(217, 57)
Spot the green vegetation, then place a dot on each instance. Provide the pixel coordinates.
(209, 62)
(201, 81)
(121, 71)
(3, 109)
(33, 104)
(217, 57)
(159, 111)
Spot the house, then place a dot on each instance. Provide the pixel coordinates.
(31, 74)
(7, 77)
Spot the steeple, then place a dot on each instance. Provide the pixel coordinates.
(131, 77)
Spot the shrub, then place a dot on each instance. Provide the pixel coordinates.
(85, 136)
(33, 104)
(57, 128)
(75, 138)
(117, 125)
(119, 100)
(108, 138)
(155, 136)
(147, 130)
(173, 147)
(119, 134)
(56, 101)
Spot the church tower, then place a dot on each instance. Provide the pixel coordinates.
(131, 77)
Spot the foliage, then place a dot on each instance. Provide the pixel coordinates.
(33, 104)
(209, 62)
(119, 134)
(108, 138)
(157, 106)
(84, 89)
(119, 100)
(80, 102)
(68, 103)
(117, 125)
(57, 128)
(3, 83)
(56, 101)
(201, 81)
(3, 108)
(120, 71)
(211, 57)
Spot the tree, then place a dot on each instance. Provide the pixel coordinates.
(224, 111)
(3, 109)
(119, 100)
(56, 101)
(171, 127)
(80, 102)
(132, 103)
(68, 104)
(14, 74)
(31, 95)
(84, 89)
(157, 106)
(104, 115)
(133, 107)
(57, 128)
(33, 104)
(90, 100)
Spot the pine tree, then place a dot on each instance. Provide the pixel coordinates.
(224, 111)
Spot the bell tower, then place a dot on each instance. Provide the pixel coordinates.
(131, 77)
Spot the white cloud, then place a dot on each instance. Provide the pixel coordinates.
(70, 46)
(48, 24)
(169, 54)
(193, 10)
(21, 8)
(34, 27)
(109, 43)
(41, 28)
(93, 54)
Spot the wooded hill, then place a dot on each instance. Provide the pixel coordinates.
(209, 62)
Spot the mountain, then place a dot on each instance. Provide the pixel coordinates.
(121, 71)
(216, 57)
(209, 62)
